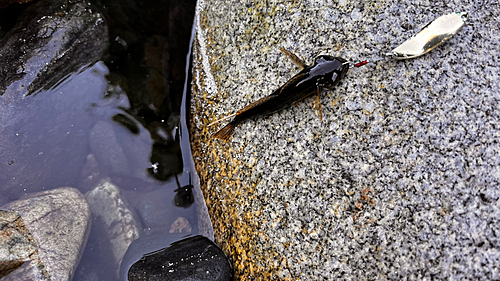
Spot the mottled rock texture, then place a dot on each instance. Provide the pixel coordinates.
(19, 259)
(59, 220)
(119, 221)
(400, 180)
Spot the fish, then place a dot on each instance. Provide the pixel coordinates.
(326, 72)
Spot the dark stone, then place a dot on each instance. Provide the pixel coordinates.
(8, 17)
(194, 258)
(50, 40)
(184, 197)
(5, 3)
(167, 157)
(127, 123)
(146, 244)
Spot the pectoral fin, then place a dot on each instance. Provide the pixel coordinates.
(293, 58)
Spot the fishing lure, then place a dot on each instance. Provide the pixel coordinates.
(430, 36)
(325, 72)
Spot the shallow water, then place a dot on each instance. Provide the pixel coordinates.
(120, 119)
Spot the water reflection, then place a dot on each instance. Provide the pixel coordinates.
(114, 125)
(44, 138)
(184, 197)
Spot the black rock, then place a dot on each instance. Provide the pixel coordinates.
(194, 258)
(50, 40)
(8, 17)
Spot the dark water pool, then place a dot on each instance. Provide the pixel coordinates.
(102, 101)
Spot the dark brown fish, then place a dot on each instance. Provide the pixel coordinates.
(326, 72)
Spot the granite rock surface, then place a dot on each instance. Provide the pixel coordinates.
(400, 180)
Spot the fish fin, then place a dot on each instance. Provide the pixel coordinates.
(225, 132)
(254, 104)
(222, 119)
(293, 58)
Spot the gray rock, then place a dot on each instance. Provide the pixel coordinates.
(119, 221)
(59, 221)
(400, 180)
(18, 248)
(107, 150)
(91, 174)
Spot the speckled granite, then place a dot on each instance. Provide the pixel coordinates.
(401, 178)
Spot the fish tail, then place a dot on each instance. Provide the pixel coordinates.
(225, 132)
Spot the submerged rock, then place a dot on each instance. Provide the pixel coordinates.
(181, 225)
(44, 139)
(59, 221)
(91, 174)
(44, 136)
(119, 221)
(107, 149)
(194, 258)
